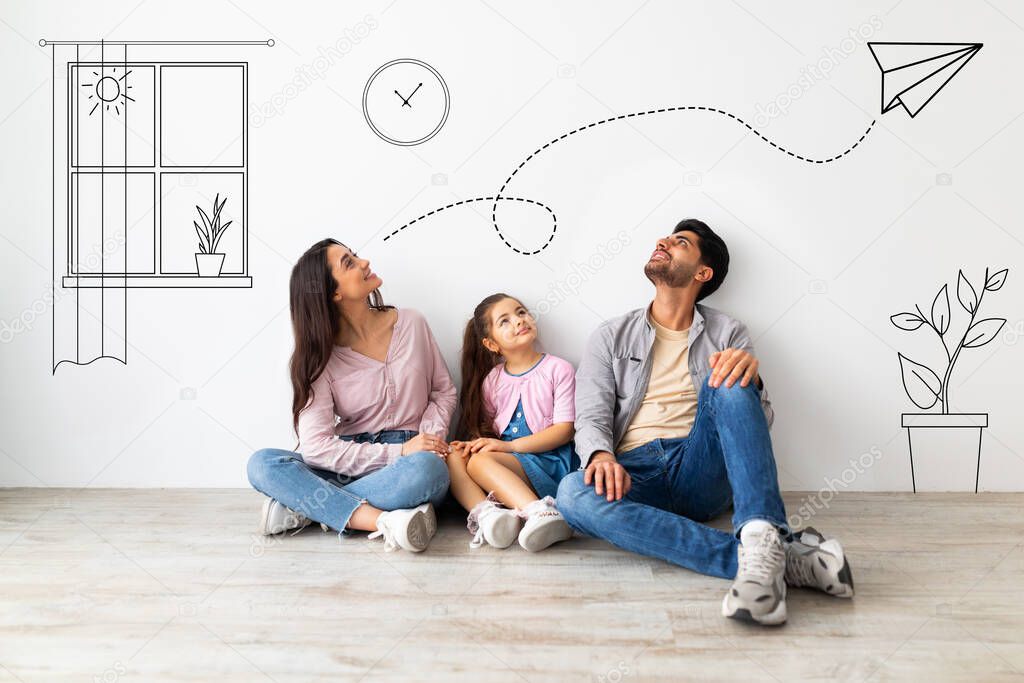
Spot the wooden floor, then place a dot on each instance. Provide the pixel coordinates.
(154, 585)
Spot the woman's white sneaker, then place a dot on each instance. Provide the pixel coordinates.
(405, 529)
(276, 518)
(431, 518)
(544, 526)
(493, 524)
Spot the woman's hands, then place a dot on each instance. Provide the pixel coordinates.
(426, 442)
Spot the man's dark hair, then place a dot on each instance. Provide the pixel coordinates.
(713, 253)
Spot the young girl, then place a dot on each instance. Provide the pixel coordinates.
(518, 412)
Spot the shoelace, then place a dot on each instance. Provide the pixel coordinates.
(478, 539)
(301, 521)
(385, 531)
(799, 566)
(761, 560)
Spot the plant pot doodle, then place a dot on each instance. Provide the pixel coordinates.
(208, 261)
(948, 444)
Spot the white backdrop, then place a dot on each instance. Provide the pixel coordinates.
(822, 254)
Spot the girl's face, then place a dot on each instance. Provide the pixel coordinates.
(352, 275)
(512, 327)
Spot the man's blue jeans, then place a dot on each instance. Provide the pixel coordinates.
(331, 498)
(679, 483)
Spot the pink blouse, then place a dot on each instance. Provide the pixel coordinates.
(547, 391)
(410, 390)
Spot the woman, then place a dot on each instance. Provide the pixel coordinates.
(372, 399)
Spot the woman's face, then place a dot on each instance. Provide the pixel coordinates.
(512, 327)
(352, 274)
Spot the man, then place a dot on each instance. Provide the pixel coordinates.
(672, 421)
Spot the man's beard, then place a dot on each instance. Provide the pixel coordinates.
(663, 272)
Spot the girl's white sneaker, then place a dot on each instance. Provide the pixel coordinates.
(492, 523)
(544, 526)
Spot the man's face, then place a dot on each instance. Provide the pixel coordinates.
(675, 261)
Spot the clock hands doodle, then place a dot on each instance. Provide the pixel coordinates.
(405, 100)
(406, 121)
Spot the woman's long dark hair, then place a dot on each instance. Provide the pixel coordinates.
(477, 361)
(315, 321)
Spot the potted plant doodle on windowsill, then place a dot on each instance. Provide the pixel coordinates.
(948, 448)
(208, 261)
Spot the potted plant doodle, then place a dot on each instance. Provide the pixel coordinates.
(948, 444)
(208, 261)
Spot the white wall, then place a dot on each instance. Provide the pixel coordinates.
(822, 254)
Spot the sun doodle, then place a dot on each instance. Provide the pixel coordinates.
(109, 91)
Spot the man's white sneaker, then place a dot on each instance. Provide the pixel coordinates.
(759, 592)
(276, 518)
(813, 562)
(544, 526)
(492, 523)
(406, 529)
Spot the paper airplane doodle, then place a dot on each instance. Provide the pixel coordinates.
(914, 73)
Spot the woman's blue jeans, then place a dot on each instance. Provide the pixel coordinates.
(679, 483)
(331, 498)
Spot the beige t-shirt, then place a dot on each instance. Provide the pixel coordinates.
(670, 404)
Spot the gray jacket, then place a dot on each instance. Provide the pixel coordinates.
(613, 373)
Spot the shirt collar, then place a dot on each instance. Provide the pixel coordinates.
(695, 327)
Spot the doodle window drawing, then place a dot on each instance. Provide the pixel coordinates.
(151, 146)
(150, 165)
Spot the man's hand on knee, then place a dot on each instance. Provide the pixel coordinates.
(730, 364)
(608, 477)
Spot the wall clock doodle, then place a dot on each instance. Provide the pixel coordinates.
(406, 102)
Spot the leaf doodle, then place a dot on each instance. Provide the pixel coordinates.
(982, 332)
(966, 294)
(907, 321)
(996, 280)
(940, 310)
(922, 385)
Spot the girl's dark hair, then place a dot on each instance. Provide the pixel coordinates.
(477, 361)
(713, 253)
(315, 321)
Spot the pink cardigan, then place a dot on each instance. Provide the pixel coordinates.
(410, 390)
(547, 391)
